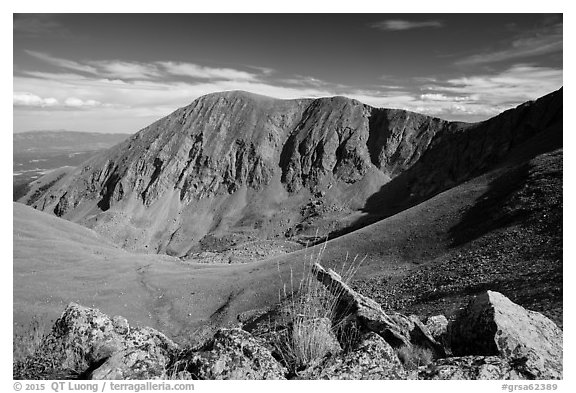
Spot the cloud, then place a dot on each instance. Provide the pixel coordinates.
(107, 102)
(29, 99)
(263, 70)
(399, 25)
(543, 41)
(201, 72)
(485, 95)
(134, 70)
(518, 83)
(444, 98)
(37, 25)
(78, 103)
(472, 97)
(62, 63)
(124, 106)
(126, 70)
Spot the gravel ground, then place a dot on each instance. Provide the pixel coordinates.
(511, 242)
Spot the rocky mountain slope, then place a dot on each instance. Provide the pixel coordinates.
(492, 338)
(235, 167)
(439, 212)
(501, 230)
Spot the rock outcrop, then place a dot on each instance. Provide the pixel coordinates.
(437, 325)
(494, 325)
(84, 338)
(493, 339)
(234, 160)
(371, 358)
(397, 329)
(133, 363)
(231, 354)
(470, 368)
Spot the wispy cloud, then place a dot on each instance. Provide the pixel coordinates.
(489, 94)
(74, 102)
(202, 72)
(123, 105)
(399, 24)
(473, 97)
(107, 68)
(518, 83)
(125, 69)
(444, 98)
(38, 25)
(130, 97)
(542, 41)
(146, 71)
(62, 63)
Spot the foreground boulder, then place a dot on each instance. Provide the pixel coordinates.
(133, 363)
(493, 325)
(84, 338)
(469, 368)
(437, 325)
(492, 338)
(231, 354)
(397, 329)
(373, 358)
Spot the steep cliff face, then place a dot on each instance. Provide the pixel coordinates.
(215, 145)
(240, 164)
(462, 151)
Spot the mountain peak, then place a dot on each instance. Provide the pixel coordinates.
(254, 161)
(237, 95)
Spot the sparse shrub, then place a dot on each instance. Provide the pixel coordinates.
(178, 371)
(315, 326)
(27, 339)
(37, 356)
(414, 356)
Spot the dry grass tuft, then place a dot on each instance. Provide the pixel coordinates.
(315, 326)
(27, 339)
(37, 356)
(414, 357)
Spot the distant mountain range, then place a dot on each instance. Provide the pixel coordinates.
(38, 152)
(44, 141)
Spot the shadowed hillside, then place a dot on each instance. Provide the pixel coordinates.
(234, 167)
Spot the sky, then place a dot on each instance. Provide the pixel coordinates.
(121, 72)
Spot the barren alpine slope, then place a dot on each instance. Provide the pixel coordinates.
(239, 178)
(234, 167)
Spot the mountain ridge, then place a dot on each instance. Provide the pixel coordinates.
(235, 163)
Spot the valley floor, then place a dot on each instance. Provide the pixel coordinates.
(501, 231)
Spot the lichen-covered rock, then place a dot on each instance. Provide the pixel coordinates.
(469, 368)
(83, 337)
(232, 354)
(397, 329)
(133, 363)
(493, 325)
(373, 358)
(437, 325)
